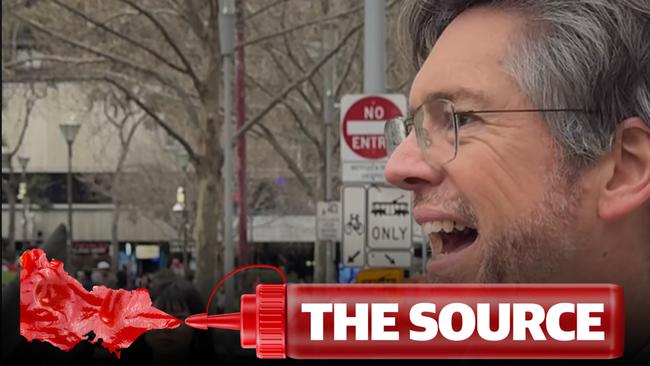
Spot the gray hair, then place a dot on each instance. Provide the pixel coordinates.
(589, 54)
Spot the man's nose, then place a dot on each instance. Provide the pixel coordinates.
(407, 168)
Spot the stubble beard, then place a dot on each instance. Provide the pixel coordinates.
(534, 246)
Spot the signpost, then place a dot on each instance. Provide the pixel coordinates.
(363, 148)
(354, 226)
(376, 222)
(328, 221)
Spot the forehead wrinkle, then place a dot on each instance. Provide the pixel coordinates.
(476, 98)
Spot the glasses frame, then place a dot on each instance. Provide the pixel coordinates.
(410, 125)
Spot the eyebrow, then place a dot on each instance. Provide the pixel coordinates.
(477, 98)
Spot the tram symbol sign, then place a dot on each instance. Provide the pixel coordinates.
(389, 218)
(363, 148)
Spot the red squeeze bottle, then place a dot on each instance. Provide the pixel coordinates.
(274, 321)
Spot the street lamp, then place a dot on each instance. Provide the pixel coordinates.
(180, 209)
(69, 131)
(22, 196)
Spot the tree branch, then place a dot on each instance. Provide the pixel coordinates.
(194, 20)
(295, 169)
(348, 67)
(161, 123)
(269, 49)
(54, 58)
(185, 98)
(397, 88)
(262, 9)
(292, 57)
(295, 116)
(255, 120)
(299, 26)
(29, 105)
(280, 66)
(121, 36)
(112, 57)
(195, 80)
(112, 81)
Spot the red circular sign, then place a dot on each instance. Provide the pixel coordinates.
(363, 126)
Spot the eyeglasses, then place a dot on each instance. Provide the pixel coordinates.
(438, 126)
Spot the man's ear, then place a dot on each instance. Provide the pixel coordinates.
(628, 184)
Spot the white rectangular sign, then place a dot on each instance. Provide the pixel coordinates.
(365, 128)
(390, 259)
(365, 172)
(328, 221)
(389, 218)
(353, 226)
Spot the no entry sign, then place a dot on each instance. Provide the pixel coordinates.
(363, 149)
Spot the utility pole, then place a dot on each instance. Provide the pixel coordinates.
(374, 46)
(328, 119)
(226, 38)
(244, 255)
(324, 250)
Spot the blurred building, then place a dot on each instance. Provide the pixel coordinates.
(278, 214)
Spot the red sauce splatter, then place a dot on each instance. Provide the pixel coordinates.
(55, 308)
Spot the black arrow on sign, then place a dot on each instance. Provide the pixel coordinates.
(390, 259)
(351, 258)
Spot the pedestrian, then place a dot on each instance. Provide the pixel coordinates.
(104, 275)
(84, 278)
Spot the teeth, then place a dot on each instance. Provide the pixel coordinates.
(442, 226)
(447, 226)
(435, 243)
(436, 226)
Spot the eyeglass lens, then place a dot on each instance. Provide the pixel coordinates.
(435, 129)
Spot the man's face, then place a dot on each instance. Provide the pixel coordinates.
(505, 183)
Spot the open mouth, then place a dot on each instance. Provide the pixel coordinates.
(449, 236)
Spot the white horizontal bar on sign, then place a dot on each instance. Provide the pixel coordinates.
(365, 127)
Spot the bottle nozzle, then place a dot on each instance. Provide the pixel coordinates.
(204, 321)
(260, 322)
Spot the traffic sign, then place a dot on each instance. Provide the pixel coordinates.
(354, 226)
(328, 221)
(363, 148)
(389, 218)
(390, 259)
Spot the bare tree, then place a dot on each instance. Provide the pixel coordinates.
(125, 117)
(170, 50)
(31, 95)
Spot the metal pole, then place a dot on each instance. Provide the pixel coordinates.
(226, 33)
(229, 259)
(69, 236)
(374, 46)
(328, 114)
(25, 202)
(244, 255)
